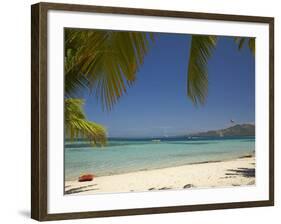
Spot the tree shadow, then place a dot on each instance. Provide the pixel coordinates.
(80, 189)
(245, 172)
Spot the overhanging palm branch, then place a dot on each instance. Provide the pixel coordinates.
(197, 78)
(74, 79)
(107, 60)
(200, 51)
(76, 124)
(241, 41)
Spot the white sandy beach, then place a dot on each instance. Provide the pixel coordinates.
(236, 172)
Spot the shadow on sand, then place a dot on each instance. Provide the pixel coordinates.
(245, 172)
(80, 189)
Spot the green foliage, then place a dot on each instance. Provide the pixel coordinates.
(77, 126)
(106, 62)
(197, 82)
(201, 51)
(240, 41)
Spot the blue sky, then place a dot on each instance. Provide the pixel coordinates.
(157, 103)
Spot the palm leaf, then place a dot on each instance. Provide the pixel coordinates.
(240, 41)
(252, 45)
(76, 124)
(108, 60)
(197, 82)
(74, 79)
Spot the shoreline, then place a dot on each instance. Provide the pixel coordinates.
(192, 163)
(208, 174)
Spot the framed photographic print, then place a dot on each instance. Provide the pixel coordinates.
(138, 111)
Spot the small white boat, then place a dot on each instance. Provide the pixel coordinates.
(156, 140)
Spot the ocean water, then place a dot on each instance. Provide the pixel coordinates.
(128, 155)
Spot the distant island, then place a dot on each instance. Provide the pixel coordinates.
(236, 130)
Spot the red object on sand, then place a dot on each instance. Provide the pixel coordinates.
(87, 177)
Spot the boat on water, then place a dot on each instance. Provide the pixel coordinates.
(156, 140)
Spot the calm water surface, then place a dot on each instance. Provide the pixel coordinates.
(128, 155)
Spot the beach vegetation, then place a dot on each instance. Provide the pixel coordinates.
(106, 63)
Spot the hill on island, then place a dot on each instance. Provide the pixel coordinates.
(236, 130)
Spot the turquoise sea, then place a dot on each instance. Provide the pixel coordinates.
(128, 155)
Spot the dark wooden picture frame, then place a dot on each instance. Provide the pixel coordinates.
(39, 105)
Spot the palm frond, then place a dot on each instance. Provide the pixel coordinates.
(74, 80)
(240, 41)
(108, 60)
(252, 45)
(77, 126)
(200, 51)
